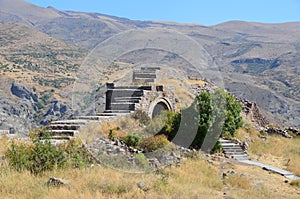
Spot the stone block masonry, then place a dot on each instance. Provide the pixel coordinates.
(150, 99)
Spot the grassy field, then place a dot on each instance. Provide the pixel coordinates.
(195, 178)
(276, 150)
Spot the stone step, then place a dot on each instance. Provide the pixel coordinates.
(87, 117)
(113, 93)
(132, 87)
(229, 144)
(237, 155)
(126, 89)
(145, 71)
(234, 151)
(117, 111)
(63, 132)
(242, 157)
(122, 106)
(144, 75)
(231, 149)
(57, 137)
(68, 122)
(150, 68)
(63, 126)
(144, 80)
(112, 114)
(125, 100)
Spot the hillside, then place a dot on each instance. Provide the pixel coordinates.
(35, 71)
(257, 61)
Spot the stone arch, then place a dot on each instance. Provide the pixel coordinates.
(158, 105)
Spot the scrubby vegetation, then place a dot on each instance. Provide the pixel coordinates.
(41, 156)
(217, 114)
(34, 161)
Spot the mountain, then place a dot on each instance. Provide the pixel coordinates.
(36, 71)
(256, 60)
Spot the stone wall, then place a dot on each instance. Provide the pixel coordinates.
(158, 94)
(130, 98)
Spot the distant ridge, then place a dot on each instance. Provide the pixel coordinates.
(257, 61)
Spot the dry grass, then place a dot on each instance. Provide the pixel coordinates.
(253, 182)
(295, 183)
(194, 179)
(276, 151)
(119, 127)
(91, 132)
(4, 144)
(181, 92)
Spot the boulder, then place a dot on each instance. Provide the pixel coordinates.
(23, 92)
(56, 182)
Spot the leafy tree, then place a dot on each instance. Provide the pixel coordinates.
(218, 114)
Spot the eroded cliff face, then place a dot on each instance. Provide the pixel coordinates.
(22, 109)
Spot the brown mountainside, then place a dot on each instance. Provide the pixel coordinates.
(258, 61)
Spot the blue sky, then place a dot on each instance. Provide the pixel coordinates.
(208, 12)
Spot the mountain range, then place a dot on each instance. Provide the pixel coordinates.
(41, 50)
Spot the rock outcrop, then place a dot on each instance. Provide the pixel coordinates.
(23, 92)
(56, 110)
(105, 150)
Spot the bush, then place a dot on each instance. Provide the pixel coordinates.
(141, 116)
(43, 156)
(18, 156)
(213, 112)
(132, 140)
(141, 160)
(76, 154)
(154, 143)
(157, 123)
(217, 148)
(36, 158)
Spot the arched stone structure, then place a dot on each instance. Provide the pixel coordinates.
(158, 105)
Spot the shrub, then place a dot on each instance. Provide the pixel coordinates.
(141, 116)
(36, 158)
(154, 143)
(18, 156)
(214, 113)
(76, 154)
(141, 160)
(111, 135)
(157, 123)
(43, 156)
(217, 148)
(132, 140)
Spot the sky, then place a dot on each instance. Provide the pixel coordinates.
(205, 12)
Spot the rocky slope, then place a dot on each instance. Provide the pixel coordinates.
(42, 49)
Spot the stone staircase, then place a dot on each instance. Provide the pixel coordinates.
(63, 130)
(123, 99)
(233, 150)
(120, 100)
(145, 75)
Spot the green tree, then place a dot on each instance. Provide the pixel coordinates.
(218, 114)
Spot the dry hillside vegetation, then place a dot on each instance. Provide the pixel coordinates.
(195, 178)
(35, 59)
